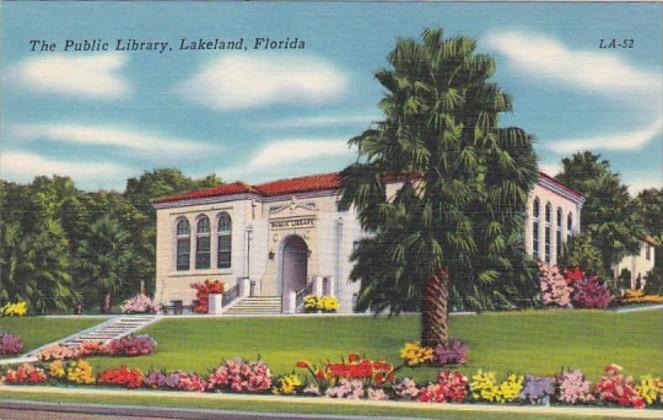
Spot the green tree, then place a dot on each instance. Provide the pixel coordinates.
(139, 192)
(42, 273)
(465, 181)
(650, 208)
(105, 257)
(580, 251)
(609, 216)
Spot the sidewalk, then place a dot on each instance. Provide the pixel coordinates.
(573, 412)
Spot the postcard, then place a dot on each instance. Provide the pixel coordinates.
(331, 210)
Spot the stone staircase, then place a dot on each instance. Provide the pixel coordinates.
(115, 327)
(256, 305)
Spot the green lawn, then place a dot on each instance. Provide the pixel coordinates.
(37, 331)
(539, 342)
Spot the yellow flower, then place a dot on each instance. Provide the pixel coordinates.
(287, 384)
(19, 308)
(56, 369)
(650, 388)
(414, 354)
(80, 372)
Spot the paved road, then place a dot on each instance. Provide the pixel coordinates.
(30, 410)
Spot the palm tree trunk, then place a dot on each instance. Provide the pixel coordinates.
(434, 315)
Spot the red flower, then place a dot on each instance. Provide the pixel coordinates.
(302, 364)
(320, 374)
(354, 357)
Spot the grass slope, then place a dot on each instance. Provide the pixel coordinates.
(37, 331)
(539, 342)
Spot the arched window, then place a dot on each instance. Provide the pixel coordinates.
(202, 243)
(548, 253)
(558, 233)
(183, 244)
(535, 227)
(224, 238)
(569, 226)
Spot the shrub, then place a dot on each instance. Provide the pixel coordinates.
(131, 345)
(122, 376)
(20, 308)
(314, 303)
(406, 389)
(203, 290)
(287, 384)
(590, 293)
(92, 348)
(650, 389)
(450, 387)
(10, 344)
(79, 372)
(574, 388)
(25, 374)
(241, 376)
(413, 354)
(140, 304)
(454, 353)
(553, 287)
(615, 388)
(346, 389)
(538, 390)
(484, 387)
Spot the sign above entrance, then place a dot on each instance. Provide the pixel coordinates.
(292, 223)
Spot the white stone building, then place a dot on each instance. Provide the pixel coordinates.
(637, 267)
(287, 238)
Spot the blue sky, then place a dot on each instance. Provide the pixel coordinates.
(255, 115)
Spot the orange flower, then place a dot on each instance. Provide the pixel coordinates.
(354, 357)
(319, 374)
(302, 364)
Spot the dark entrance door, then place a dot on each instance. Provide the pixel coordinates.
(294, 265)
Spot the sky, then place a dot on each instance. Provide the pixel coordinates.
(255, 115)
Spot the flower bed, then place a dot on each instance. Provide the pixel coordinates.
(19, 308)
(203, 290)
(357, 378)
(127, 346)
(572, 288)
(633, 297)
(314, 303)
(10, 344)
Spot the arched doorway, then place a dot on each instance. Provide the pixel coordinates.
(294, 264)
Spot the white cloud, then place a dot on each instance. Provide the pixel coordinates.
(283, 155)
(633, 140)
(22, 167)
(322, 121)
(637, 185)
(242, 82)
(550, 168)
(135, 141)
(601, 72)
(95, 76)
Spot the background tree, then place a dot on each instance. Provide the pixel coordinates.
(465, 182)
(650, 208)
(609, 216)
(580, 251)
(105, 256)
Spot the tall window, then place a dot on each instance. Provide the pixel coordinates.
(202, 243)
(648, 256)
(558, 234)
(547, 233)
(183, 239)
(535, 228)
(224, 238)
(569, 226)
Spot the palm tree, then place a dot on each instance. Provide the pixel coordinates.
(105, 257)
(460, 210)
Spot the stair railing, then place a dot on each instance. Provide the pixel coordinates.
(230, 295)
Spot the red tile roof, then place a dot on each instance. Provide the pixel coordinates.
(302, 184)
(320, 182)
(224, 189)
(560, 185)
